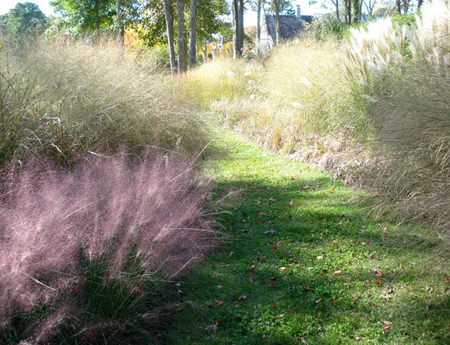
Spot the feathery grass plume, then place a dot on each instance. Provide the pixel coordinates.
(411, 117)
(431, 40)
(374, 51)
(96, 246)
(61, 97)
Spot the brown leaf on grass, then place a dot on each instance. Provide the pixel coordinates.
(388, 324)
(275, 247)
(378, 282)
(378, 273)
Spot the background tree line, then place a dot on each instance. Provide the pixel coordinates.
(179, 24)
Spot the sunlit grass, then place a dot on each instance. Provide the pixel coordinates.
(303, 264)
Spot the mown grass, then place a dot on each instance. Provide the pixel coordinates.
(303, 264)
(370, 108)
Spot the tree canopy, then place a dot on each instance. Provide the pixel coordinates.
(85, 15)
(25, 20)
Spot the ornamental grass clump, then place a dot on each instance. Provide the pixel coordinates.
(61, 97)
(410, 115)
(90, 254)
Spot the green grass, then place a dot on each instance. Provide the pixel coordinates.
(275, 278)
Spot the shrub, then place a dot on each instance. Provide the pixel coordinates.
(89, 254)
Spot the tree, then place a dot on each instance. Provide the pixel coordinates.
(277, 5)
(169, 26)
(85, 15)
(193, 34)
(238, 25)
(120, 27)
(258, 24)
(370, 5)
(181, 41)
(356, 11)
(24, 21)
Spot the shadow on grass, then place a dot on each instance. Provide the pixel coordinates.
(302, 264)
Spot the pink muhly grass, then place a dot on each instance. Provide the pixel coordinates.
(132, 212)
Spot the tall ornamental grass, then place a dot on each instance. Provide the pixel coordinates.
(410, 113)
(89, 256)
(61, 97)
(298, 101)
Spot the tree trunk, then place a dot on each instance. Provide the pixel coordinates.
(238, 21)
(241, 25)
(97, 16)
(169, 25)
(258, 26)
(181, 42)
(356, 11)
(337, 12)
(277, 20)
(398, 3)
(348, 10)
(193, 34)
(120, 28)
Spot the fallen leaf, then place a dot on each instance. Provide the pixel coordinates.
(319, 300)
(275, 247)
(311, 246)
(378, 273)
(219, 303)
(337, 272)
(386, 297)
(271, 231)
(378, 282)
(274, 305)
(304, 341)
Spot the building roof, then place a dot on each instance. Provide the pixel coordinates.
(289, 25)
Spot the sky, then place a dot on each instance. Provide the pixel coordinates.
(249, 19)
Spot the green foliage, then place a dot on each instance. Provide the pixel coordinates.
(148, 20)
(81, 16)
(23, 22)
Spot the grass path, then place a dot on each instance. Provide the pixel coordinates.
(301, 264)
